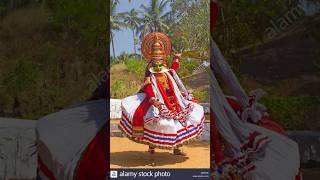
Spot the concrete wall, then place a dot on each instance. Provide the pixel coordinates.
(309, 145)
(17, 150)
(115, 108)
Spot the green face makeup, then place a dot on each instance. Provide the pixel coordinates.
(157, 66)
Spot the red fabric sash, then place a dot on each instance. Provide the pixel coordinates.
(93, 163)
(216, 145)
(138, 122)
(165, 96)
(174, 95)
(45, 170)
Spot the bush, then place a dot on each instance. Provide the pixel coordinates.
(201, 96)
(117, 87)
(86, 19)
(21, 78)
(187, 66)
(136, 66)
(291, 111)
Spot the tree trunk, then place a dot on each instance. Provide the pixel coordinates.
(159, 26)
(155, 26)
(134, 42)
(112, 43)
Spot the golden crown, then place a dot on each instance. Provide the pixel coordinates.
(155, 45)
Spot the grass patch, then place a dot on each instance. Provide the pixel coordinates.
(124, 82)
(291, 111)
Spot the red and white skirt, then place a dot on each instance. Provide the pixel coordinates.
(159, 131)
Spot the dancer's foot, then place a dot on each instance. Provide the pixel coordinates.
(177, 151)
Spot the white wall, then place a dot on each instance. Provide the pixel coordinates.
(115, 108)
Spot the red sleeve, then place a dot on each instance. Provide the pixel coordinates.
(234, 104)
(148, 90)
(175, 64)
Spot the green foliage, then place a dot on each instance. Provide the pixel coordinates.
(3, 10)
(125, 82)
(86, 19)
(154, 17)
(123, 57)
(192, 29)
(45, 69)
(291, 111)
(133, 22)
(187, 66)
(118, 86)
(201, 96)
(242, 23)
(9, 5)
(136, 66)
(21, 78)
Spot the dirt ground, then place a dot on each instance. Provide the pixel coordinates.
(125, 153)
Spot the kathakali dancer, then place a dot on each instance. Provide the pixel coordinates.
(163, 114)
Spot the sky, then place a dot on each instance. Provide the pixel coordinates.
(123, 40)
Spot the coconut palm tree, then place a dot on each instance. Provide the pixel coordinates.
(116, 22)
(153, 17)
(133, 21)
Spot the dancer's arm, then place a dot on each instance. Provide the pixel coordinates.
(176, 62)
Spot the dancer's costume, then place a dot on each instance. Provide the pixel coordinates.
(255, 147)
(179, 120)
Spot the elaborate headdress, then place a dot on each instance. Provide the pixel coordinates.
(155, 45)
